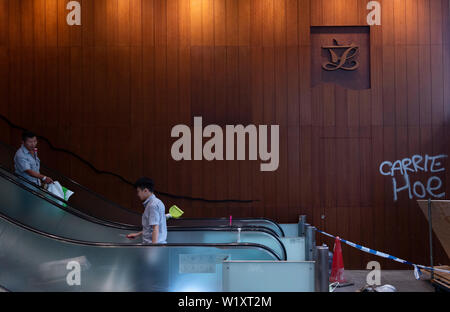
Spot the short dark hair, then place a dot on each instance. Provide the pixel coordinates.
(27, 135)
(145, 183)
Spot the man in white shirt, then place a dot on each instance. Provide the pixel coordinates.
(154, 227)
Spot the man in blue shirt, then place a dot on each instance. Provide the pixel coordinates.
(26, 161)
(154, 227)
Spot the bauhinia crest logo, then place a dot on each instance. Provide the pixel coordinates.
(345, 60)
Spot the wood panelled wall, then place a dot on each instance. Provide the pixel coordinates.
(111, 90)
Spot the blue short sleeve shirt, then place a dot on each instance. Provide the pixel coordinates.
(154, 214)
(24, 160)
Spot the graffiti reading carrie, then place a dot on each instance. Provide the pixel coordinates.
(415, 164)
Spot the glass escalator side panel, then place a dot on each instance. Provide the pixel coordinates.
(35, 261)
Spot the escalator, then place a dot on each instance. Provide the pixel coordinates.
(39, 239)
(41, 235)
(84, 199)
(224, 223)
(34, 207)
(33, 260)
(89, 203)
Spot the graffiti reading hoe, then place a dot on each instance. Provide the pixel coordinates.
(413, 165)
(345, 61)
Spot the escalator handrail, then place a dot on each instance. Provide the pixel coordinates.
(74, 182)
(112, 224)
(236, 229)
(68, 208)
(116, 204)
(92, 192)
(174, 228)
(127, 181)
(89, 218)
(225, 227)
(238, 219)
(97, 244)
